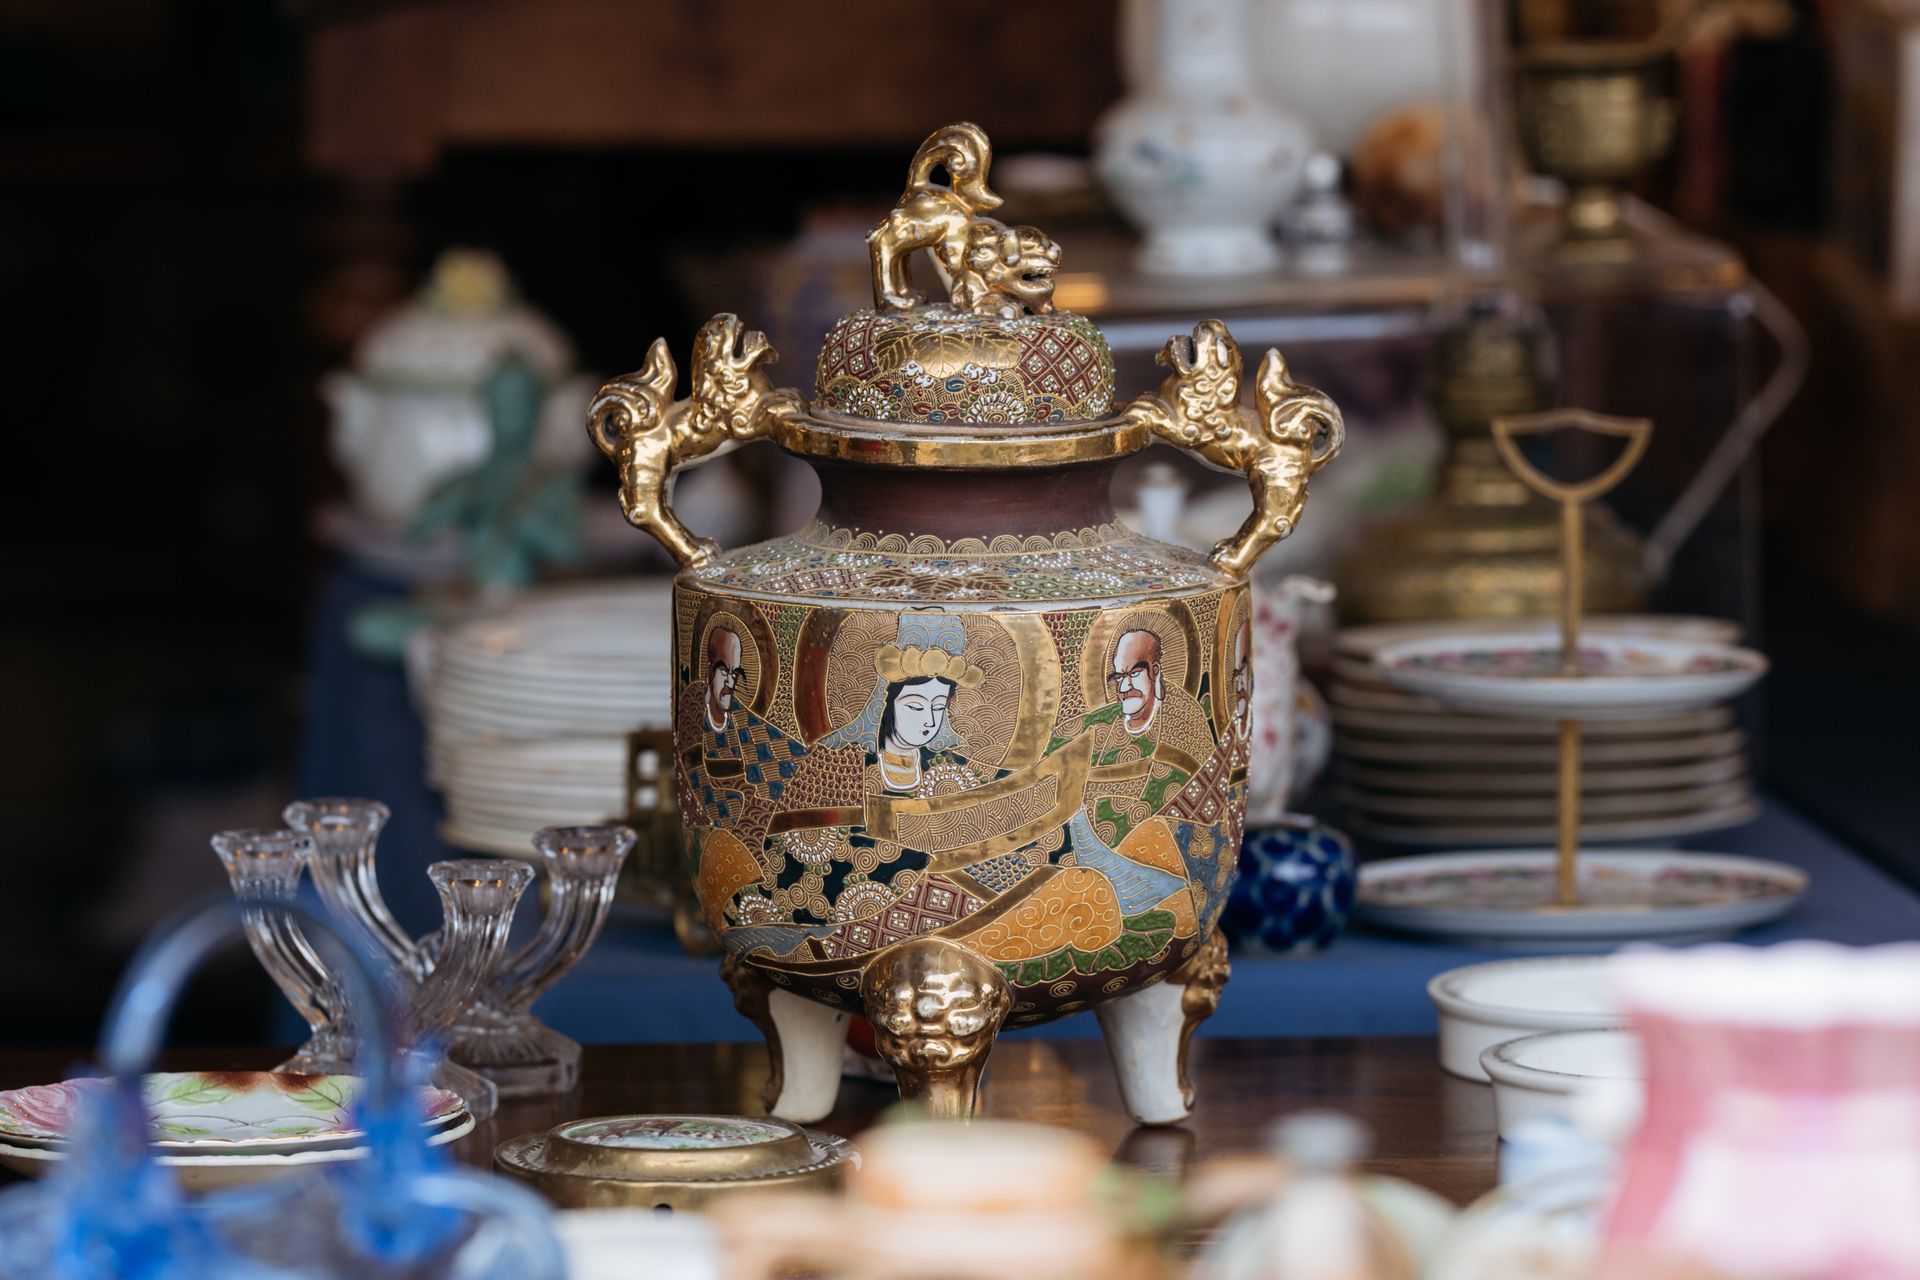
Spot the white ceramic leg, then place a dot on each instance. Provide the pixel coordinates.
(804, 1040)
(810, 1038)
(1143, 1037)
(1148, 1033)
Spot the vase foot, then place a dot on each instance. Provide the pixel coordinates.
(936, 1008)
(1148, 1033)
(805, 1040)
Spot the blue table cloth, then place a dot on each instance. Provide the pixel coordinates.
(637, 985)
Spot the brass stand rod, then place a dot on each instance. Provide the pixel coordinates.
(1573, 565)
(1567, 818)
(1573, 569)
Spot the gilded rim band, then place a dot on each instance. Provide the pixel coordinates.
(821, 434)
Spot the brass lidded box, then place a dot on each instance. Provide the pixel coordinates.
(676, 1162)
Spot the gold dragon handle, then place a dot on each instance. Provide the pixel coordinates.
(1290, 433)
(649, 435)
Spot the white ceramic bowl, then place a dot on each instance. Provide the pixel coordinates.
(615, 1244)
(1482, 1005)
(1544, 1075)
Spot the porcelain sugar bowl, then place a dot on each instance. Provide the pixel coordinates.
(964, 753)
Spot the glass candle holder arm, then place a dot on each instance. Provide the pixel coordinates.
(477, 897)
(583, 867)
(345, 834)
(264, 868)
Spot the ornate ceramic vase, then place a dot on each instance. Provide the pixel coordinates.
(964, 752)
(1195, 156)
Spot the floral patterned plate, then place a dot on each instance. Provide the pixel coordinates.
(214, 1168)
(1363, 642)
(1618, 676)
(229, 1111)
(1506, 897)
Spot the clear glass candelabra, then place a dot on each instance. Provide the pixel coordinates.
(498, 1036)
(442, 973)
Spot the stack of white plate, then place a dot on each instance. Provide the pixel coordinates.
(529, 710)
(1411, 771)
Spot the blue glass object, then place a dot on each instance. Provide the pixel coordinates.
(109, 1210)
(1294, 889)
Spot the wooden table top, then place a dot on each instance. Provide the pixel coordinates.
(1427, 1126)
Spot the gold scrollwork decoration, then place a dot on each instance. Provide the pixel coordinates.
(649, 435)
(1200, 977)
(990, 819)
(1291, 432)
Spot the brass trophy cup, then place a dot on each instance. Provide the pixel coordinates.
(1595, 114)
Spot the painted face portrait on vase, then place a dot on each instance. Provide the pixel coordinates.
(915, 714)
(734, 765)
(907, 723)
(1136, 680)
(724, 674)
(1148, 733)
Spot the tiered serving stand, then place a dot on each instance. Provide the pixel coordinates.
(1564, 896)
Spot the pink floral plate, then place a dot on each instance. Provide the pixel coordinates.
(229, 1111)
(1616, 676)
(1507, 897)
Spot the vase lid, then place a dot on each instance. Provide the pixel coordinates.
(996, 352)
(995, 378)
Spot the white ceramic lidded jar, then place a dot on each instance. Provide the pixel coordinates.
(1195, 155)
(410, 413)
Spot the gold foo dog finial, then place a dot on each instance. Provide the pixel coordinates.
(648, 434)
(989, 268)
(1291, 433)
